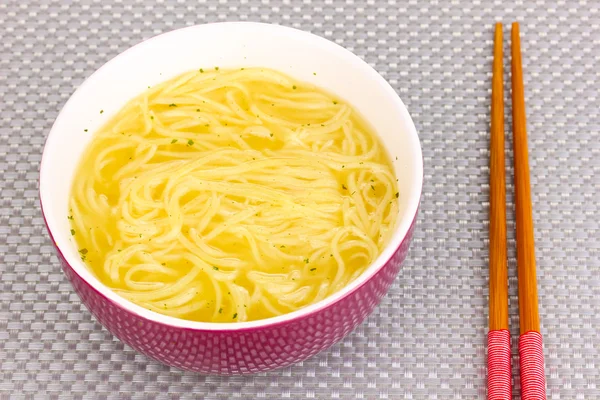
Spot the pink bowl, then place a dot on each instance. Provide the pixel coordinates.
(247, 347)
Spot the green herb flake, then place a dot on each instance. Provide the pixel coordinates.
(352, 194)
(216, 69)
(101, 111)
(215, 268)
(173, 141)
(344, 187)
(334, 102)
(313, 269)
(306, 260)
(220, 310)
(235, 316)
(152, 117)
(271, 135)
(314, 73)
(282, 247)
(372, 187)
(70, 217)
(163, 264)
(85, 130)
(172, 105)
(72, 232)
(397, 194)
(201, 70)
(197, 110)
(83, 251)
(190, 142)
(294, 87)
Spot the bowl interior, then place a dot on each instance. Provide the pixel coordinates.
(226, 45)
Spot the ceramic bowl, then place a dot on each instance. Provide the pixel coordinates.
(246, 347)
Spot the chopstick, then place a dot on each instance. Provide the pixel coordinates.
(531, 354)
(499, 369)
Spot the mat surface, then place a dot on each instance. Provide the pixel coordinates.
(426, 339)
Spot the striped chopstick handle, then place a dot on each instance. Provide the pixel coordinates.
(499, 372)
(531, 359)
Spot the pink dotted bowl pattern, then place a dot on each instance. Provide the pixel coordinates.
(244, 351)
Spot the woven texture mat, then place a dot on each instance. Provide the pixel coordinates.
(426, 339)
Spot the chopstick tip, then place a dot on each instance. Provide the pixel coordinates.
(515, 36)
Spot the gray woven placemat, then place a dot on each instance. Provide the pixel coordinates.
(426, 339)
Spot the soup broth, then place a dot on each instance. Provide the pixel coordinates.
(229, 196)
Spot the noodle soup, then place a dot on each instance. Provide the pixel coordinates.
(229, 196)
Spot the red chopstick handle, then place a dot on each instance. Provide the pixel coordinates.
(531, 359)
(499, 373)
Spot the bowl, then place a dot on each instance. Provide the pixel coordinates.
(245, 347)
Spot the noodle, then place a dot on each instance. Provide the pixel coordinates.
(231, 196)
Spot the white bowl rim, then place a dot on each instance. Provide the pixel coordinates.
(402, 229)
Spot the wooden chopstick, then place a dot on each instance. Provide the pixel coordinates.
(529, 319)
(498, 269)
(499, 354)
(531, 353)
